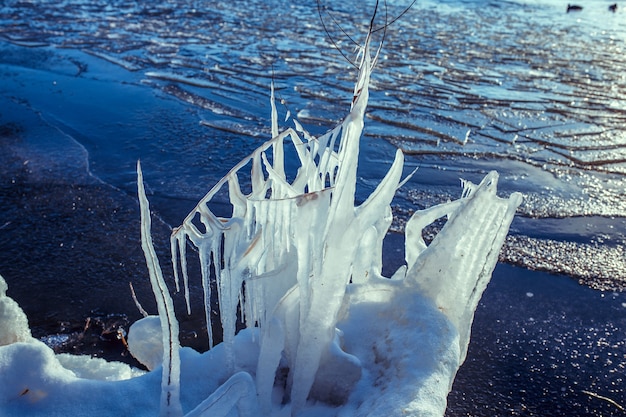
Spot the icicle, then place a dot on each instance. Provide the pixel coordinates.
(170, 380)
(206, 260)
(182, 250)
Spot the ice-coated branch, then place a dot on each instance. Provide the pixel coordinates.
(170, 380)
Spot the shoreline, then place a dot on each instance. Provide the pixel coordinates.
(69, 244)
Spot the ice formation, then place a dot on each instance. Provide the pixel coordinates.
(326, 334)
(292, 243)
(291, 249)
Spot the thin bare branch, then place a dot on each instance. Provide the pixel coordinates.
(319, 11)
(396, 18)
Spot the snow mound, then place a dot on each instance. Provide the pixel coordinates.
(13, 321)
(145, 341)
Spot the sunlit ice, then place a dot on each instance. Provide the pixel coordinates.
(325, 333)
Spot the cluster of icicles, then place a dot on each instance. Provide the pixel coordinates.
(294, 245)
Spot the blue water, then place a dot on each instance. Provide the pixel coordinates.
(463, 87)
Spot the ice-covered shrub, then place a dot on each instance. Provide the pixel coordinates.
(303, 265)
(294, 243)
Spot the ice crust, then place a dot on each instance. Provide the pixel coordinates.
(326, 334)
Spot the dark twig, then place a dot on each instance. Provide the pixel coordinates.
(319, 11)
(342, 29)
(395, 18)
(371, 27)
(603, 398)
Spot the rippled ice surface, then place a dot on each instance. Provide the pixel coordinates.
(462, 87)
(470, 85)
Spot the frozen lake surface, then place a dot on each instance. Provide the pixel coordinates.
(89, 87)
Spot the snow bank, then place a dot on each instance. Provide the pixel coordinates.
(326, 334)
(13, 322)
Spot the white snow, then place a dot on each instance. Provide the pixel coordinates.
(326, 334)
(13, 322)
(145, 341)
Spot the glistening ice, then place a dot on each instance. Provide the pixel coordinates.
(326, 334)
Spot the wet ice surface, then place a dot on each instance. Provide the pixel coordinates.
(519, 86)
(88, 87)
(543, 346)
